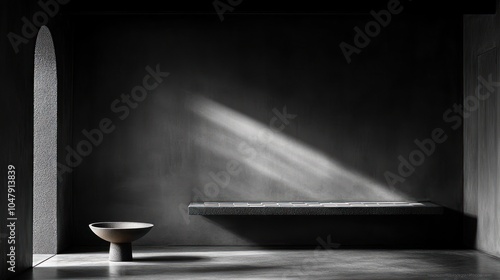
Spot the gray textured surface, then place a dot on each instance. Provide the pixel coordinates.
(481, 134)
(488, 156)
(314, 208)
(45, 146)
(353, 121)
(252, 263)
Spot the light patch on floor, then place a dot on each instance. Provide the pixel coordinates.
(39, 258)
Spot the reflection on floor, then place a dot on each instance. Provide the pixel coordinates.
(256, 263)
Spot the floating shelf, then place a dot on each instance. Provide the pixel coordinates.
(314, 208)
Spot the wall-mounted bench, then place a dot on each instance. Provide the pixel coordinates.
(314, 208)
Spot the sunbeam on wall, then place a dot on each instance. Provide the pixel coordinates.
(269, 165)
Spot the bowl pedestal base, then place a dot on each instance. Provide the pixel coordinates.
(120, 252)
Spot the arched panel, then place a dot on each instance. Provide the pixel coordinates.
(45, 146)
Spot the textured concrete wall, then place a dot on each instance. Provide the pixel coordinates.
(45, 146)
(199, 135)
(481, 150)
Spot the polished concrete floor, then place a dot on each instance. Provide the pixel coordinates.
(255, 263)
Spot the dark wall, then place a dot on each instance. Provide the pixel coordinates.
(211, 115)
(61, 28)
(16, 123)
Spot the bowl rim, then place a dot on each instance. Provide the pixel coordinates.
(140, 225)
